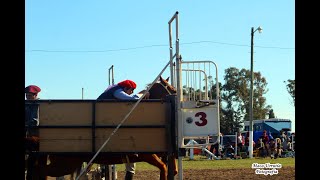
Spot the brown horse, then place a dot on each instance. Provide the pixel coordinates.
(162, 89)
(59, 165)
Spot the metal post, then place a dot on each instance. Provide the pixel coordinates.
(251, 95)
(191, 157)
(82, 93)
(111, 69)
(251, 101)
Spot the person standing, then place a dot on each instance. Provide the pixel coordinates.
(31, 133)
(31, 111)
(265, 138)
(240, 141)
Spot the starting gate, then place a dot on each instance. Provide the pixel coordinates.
(197, 102)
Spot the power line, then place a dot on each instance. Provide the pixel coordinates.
(148, 46)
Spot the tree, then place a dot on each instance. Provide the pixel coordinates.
(291, 88)
(236, 97)
(271, 114)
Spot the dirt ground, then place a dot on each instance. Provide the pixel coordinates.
(287, 173)
(209, 174)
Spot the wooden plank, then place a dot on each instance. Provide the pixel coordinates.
(124, 140)
(132, 140)
(146, 113)
(65, 113)
(65, 140)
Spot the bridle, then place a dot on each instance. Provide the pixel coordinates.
(166, 88)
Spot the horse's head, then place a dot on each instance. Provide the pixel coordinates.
(169, 87)
(161, 89)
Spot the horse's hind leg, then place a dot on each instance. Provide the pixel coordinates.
(153, 159)
(173, 162)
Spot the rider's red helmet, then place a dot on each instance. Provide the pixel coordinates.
(128, 84)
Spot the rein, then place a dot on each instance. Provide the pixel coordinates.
(166, 88)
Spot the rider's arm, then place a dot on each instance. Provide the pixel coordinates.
(120, 94)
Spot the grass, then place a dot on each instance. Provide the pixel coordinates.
(201, 162)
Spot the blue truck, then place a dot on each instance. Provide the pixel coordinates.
(272, 126)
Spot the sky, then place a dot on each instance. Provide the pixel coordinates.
(71, 45)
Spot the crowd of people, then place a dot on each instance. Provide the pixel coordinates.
(265, 146)
(273, 147)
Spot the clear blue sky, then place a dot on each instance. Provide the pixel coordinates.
(70, 45)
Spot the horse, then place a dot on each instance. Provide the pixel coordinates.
(60, 165)
(161, 90)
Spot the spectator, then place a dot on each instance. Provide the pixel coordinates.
(247, 141)
(31, 111)
(240, 141)
(273, 149)
(229, 151)
(260, 146)
(284, 141)
(215, 149)
(278, 147)
(265, 140)
(31, 133)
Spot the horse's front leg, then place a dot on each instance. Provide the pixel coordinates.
(173, 162)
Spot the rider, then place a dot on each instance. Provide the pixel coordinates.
(123, 91)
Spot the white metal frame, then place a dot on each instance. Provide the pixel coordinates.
(188, 111)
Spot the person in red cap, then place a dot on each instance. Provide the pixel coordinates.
(32, 92)
(31, 120)
(123, 91)
(31, 111)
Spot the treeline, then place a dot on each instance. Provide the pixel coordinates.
(235, 98)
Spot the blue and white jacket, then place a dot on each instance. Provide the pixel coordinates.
(117, 92)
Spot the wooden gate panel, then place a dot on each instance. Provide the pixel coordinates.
(65, 140)
(83, 126)
(146, 113)
(132, 140)
(65, 113)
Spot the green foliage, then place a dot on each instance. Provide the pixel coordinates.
(291, 88)
(236, 98)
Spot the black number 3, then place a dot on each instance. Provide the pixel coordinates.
(202, 118)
